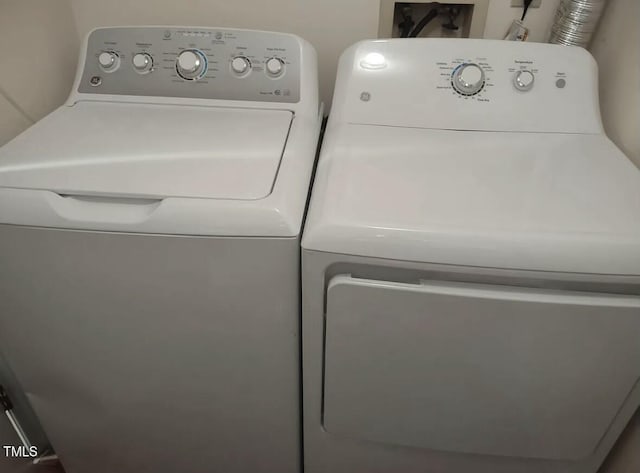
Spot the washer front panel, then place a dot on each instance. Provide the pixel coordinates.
(218, 46)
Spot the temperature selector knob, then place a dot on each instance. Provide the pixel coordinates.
(240, 65)
(468, 79)
(191, 64)
(275, 67)
(142, 63)
(523, 80)
(109, 61)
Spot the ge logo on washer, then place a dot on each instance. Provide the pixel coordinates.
(365, 96)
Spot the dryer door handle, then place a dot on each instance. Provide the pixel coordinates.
(495, 291)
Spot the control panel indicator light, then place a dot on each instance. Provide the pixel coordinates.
(373, 61)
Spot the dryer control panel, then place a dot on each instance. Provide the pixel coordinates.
(200, 63)
(468, 84)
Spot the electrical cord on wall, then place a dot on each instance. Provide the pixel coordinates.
(407, 23)
(517, 31)
(433, 13)
(526, 4)
(453, 13)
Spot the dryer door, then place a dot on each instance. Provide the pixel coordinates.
(478, 369)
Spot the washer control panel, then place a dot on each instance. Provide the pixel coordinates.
(202, 63)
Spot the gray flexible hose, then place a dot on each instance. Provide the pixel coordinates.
(576, 21)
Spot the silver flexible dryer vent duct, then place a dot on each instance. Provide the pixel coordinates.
(575, 22)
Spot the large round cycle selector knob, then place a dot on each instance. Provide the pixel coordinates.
(109, 61)
(523, 80)
(275, 67)
(142, 63)
(240, 65)
(191, 64)
(468, 79)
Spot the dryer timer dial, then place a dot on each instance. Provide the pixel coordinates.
(468, 79)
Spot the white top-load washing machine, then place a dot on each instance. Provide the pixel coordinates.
(471, 265)
(149, 248)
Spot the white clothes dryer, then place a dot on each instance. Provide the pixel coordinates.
(471, 265)
(149, 248)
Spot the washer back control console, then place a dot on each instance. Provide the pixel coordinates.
(207, 63)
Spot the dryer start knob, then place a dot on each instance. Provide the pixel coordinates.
(468, 79)
(191, 64)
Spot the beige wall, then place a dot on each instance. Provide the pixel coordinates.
(616, 47)
(12, 120)
(38, 50)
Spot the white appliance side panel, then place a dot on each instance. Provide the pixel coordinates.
(477, 369)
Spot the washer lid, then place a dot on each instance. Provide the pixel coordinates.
(547, 202)
(149, 151)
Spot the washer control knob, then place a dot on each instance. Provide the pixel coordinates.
(523, 80)
(109, 61)
(240, 65)
(142, 63)
(191, 64)
(468, 79)
(275, 67)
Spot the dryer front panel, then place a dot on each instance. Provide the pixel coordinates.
(475, 368)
